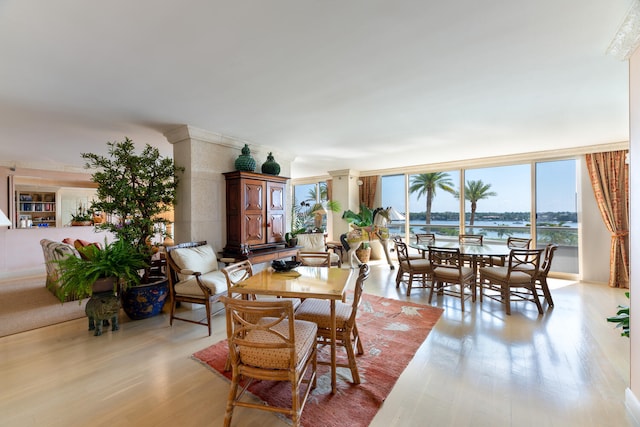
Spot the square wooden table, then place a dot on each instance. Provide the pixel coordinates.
(303, 282)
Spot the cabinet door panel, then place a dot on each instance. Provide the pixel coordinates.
(253, 195)
(253, 228)
(275, 212)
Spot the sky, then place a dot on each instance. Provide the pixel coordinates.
(556, 188)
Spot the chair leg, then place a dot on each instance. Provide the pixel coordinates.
(546, 291)
(399, 277)
(295, 402)
(433, 282)
(233, 390)
(357, 340)
(461, 284)
(506, 297)
(208, 308)
(173, 311)
(536, 299)
(348, 345)
(409, 284)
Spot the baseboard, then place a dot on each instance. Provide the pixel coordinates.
(8, 275)
(633, 406)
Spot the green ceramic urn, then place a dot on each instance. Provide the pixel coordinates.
(245, 162)
(271, 167)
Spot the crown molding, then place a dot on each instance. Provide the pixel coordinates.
(627, 38)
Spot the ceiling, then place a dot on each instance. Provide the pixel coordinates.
(362, 84)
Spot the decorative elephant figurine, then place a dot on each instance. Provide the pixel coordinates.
(101, 308)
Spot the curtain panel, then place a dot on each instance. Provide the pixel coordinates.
(609, 173)
(368, 190)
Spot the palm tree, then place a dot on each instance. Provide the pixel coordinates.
(474, 191)
(425, 184)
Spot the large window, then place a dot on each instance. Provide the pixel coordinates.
(556, 212)
(433, 203)
(498, 203)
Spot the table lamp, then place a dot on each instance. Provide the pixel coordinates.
(4, 221)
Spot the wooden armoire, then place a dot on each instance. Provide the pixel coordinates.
(256, 212)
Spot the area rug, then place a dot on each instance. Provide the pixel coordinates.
(26, 304)
(391, 332)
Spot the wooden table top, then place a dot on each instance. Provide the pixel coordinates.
(303, 282)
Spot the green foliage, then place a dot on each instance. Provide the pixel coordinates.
(82, 214)
(135, 188)
(426, 184)
(118, 259)
(303, 216)
(622, 318)
(362, 219)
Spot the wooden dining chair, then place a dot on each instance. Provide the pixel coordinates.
(347, 336)
(411, 255)
(512, 243)
(427, 239)
(266, 342)
(541, 278)
(516, 280)
(472, 239)
(450, 276)
(314, 259)
(410, 269)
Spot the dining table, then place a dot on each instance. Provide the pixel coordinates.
(302, 282)
(475, 252)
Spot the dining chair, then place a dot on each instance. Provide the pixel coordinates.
(450, 276)
(472, 239)
(239, 271)
(515, 280)
(541, 277)
(420, 255)
(512, 243)
(314, 259)
(274, 346)
(411, 268)
(427, 239)
(347, 336)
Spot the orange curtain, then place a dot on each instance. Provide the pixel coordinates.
(329, 189)
(609, 175)
(368, 190)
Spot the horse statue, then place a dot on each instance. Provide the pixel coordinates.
(359, 235)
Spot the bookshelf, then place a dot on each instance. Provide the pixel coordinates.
(36, 209)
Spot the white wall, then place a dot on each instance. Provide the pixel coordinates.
(633, 393)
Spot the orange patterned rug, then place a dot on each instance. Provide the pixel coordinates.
(391, 332)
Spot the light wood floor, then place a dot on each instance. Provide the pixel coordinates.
(478, 368)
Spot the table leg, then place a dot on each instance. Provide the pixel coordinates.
(333, 347)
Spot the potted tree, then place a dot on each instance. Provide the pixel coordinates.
(133, 190)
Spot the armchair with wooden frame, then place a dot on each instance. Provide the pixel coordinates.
(194, 277)
(316, 242)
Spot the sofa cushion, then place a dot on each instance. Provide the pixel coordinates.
(55, 251)
(197, 259)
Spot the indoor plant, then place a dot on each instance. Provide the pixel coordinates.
(363, 220)
(82, 216)
(134, 189)
(622, 318)
(118, 262)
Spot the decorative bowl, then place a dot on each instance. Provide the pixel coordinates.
(282, 266)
